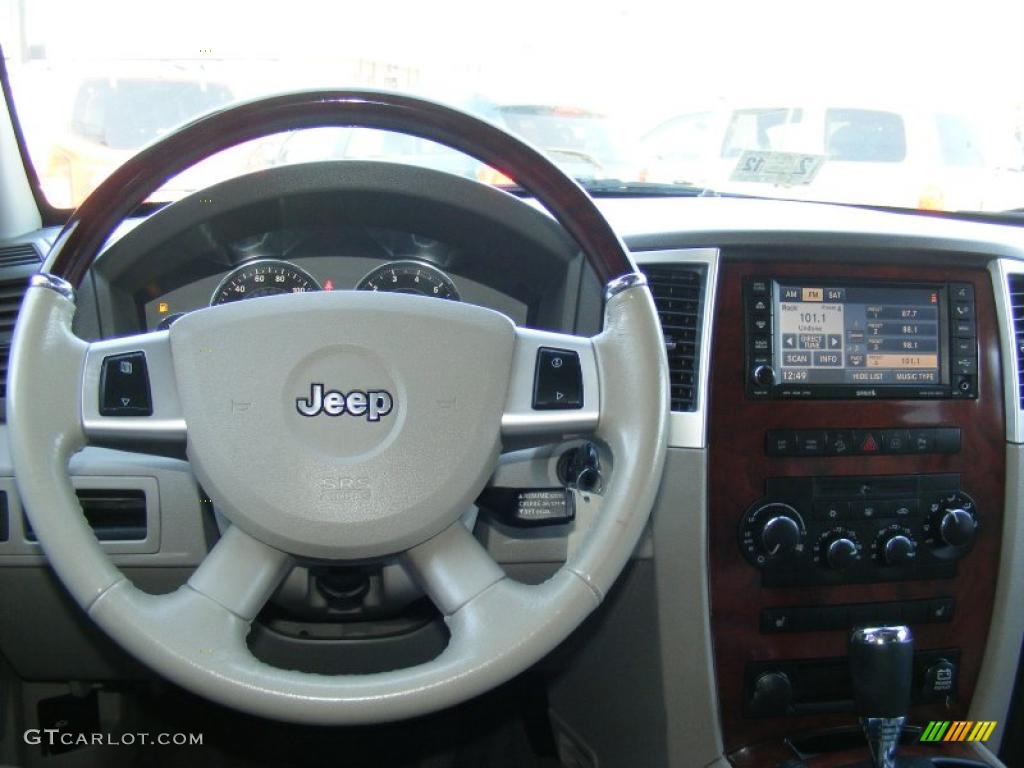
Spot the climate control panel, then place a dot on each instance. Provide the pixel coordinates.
(837, 530)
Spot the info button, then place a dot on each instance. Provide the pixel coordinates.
(828, 359)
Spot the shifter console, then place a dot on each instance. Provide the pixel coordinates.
(881, 670)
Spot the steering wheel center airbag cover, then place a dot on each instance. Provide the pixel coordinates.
(343, 425)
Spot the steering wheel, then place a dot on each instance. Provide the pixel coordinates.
(433, 388)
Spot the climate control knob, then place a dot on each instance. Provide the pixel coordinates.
(837, 549)
(780, 535)
(771, 531)
(899, 550)
(895, 546)
(957, 527)
(952, 525)
(842, 553)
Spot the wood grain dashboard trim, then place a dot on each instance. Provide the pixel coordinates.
(738, 468)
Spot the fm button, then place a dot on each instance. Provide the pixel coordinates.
(558, 381)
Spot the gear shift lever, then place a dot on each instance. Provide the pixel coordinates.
(881, 667)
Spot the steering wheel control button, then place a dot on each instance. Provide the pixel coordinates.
(558, 382)
(124, 386)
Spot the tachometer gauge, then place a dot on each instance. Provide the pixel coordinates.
(410, 277)
(265, 277)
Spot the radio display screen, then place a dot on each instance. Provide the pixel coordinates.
(859, 335)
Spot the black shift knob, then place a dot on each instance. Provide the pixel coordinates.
(881, 668)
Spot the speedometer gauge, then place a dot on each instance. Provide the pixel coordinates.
(265, 277)
(410, 277)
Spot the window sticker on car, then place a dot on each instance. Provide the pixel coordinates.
(785, 168)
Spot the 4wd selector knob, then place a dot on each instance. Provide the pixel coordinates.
(771, 531)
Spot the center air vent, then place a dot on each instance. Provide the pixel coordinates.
(678, 291)
(1016, 285)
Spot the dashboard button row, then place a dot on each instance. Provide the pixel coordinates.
(832, 617)
(862, 442)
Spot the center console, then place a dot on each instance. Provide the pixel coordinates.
(856, 478)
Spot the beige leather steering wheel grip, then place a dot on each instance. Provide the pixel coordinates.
(422, 466)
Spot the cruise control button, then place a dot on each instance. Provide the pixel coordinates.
(558, 381)
(124, 386)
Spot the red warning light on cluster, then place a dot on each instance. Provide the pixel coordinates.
(328, 285)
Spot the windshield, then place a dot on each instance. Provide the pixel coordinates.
(912, 104)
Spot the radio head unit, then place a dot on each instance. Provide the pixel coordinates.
(832, 339)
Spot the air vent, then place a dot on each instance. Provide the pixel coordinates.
(11, 294)
(18, 255)
(678, 291)
(1016, 284)
(113, 515)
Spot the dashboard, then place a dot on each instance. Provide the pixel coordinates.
(321, 258)
(844, 442)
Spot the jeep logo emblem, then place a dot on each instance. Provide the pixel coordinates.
(372, 404)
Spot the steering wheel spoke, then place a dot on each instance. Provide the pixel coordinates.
(452, 568)
(130, 397)
(241, 573)
(553, 389)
